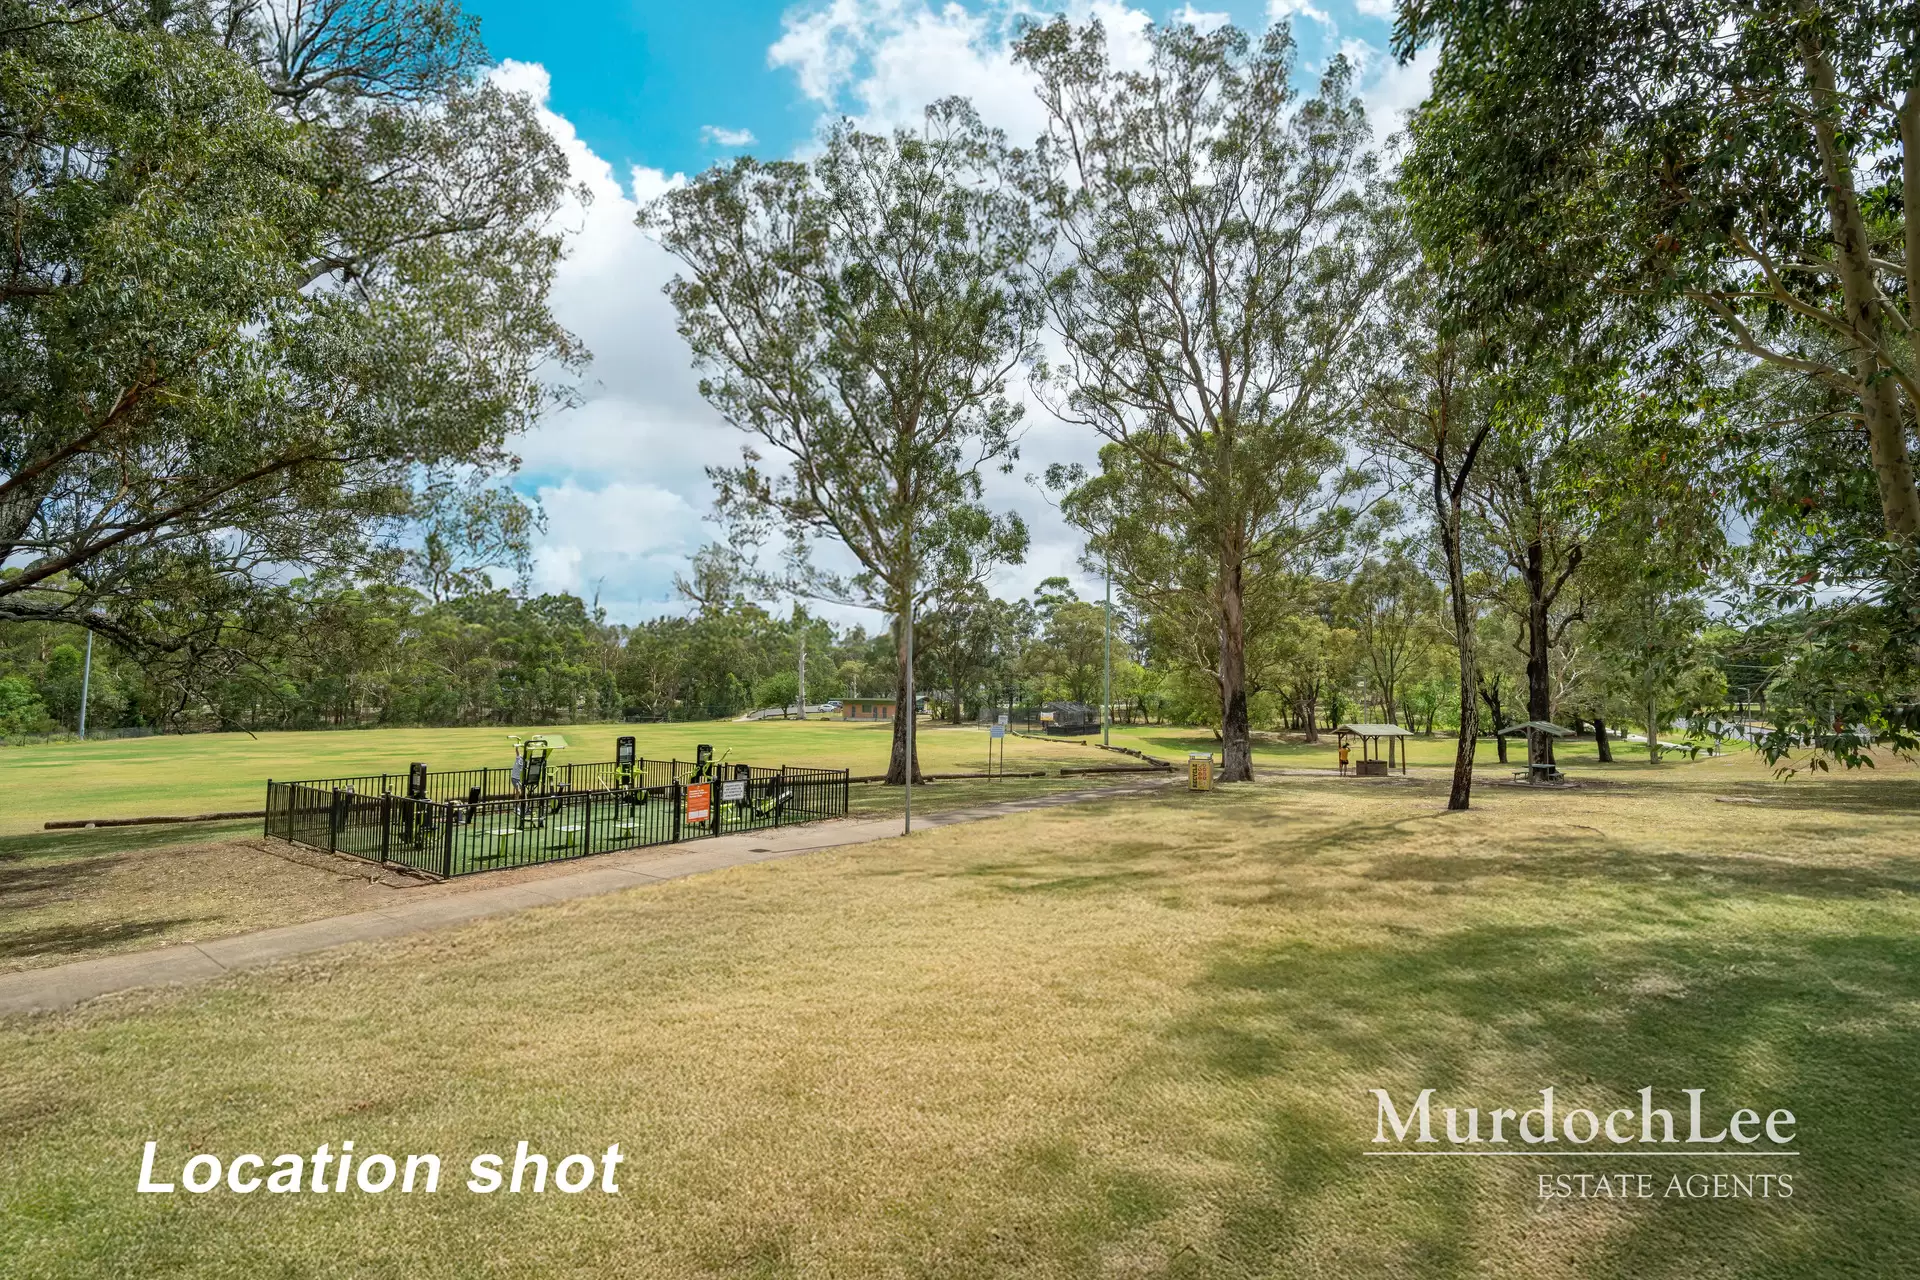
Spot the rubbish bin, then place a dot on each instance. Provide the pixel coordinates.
(1199, 771)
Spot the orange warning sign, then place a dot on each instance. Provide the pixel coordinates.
(699, 801)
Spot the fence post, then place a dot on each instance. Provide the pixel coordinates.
(446, 845)
(678, 807)
(586, 839)
(386, 826)
(333, 823)
(267, 822)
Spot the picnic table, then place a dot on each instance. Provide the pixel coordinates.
(1540, 735)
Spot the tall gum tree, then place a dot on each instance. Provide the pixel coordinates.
(858, 316)
(1208, 294)
(1755, 162)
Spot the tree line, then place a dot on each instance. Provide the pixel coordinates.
(1588, 396)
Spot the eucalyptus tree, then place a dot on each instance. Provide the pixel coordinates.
(1751, 161)
(1534, 514)
(858, 316)
(1431, 406)
(274, 293)
(1210, 287)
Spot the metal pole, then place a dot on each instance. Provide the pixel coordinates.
(86, 683)
(908, 830)
(803, 669)
(1106, 683)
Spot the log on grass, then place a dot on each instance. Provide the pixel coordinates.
(73, 823)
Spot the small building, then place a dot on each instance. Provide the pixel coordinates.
(866, 708)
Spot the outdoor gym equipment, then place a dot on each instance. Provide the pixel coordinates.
(705, 767)
(530, 775)
(530, 756)
(583, 809)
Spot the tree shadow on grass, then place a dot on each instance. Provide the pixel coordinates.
(95, 842)
(1488, 1014)
(1552, 862)
(88, 938)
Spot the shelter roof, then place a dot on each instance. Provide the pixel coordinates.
(1539, 726)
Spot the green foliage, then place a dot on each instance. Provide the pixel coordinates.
(21, 711)
(859, 316)
(1208, 313)
(274, 293)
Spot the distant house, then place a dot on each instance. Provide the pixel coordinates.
(866, 708)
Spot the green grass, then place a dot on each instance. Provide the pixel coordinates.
(1173, 742)
(207, 773)
(1131, 1038)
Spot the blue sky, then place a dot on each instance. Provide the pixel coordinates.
(642, 92)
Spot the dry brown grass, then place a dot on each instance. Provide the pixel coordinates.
(1127, 1039)
(79, 894)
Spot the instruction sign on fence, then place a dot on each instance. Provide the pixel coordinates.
(699, 801)
(733, 791)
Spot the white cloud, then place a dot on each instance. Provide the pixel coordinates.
(883, 61)
(1282, 10)
(610, 537)
(1359, 53)
(1397, 89)
(1202, 21)
(719, 135)
(1375, 8)
(622, 475)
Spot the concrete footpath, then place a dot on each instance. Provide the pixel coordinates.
(63, 986)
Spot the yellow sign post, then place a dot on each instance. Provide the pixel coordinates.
(1199, 771)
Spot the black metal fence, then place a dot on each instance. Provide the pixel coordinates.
(464, 825)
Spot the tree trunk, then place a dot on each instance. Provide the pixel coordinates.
(1492, 699)
(1460, 795)
(1312, 719)
(1600, 740)
(1539, 688)
(1653, 732)
(902, 709)
(1881, 404)
(1236, 741)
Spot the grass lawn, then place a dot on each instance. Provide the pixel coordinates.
(1131, 1038)
(212, 772)
(72, 895)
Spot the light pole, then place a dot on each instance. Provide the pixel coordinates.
(1106, 681)
(911, 717)
(86, 684)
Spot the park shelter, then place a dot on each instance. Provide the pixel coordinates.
(1372, 763)
(866, 708)
(1540, 735)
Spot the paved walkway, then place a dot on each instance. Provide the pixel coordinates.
(63, 986)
